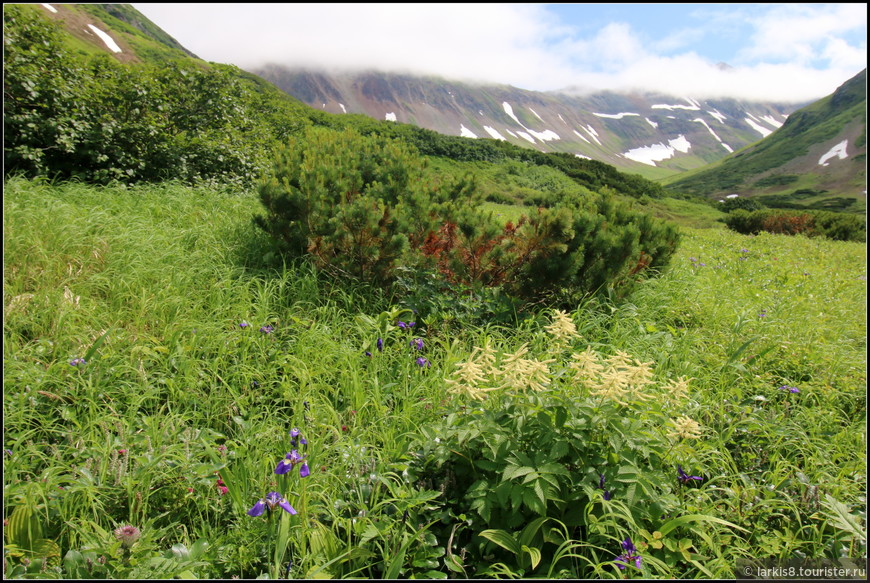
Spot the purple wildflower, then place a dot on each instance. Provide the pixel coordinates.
(367, 353)
(289, 462)
(789, 389)
(77, 361)
(417, 343)
(607, 494)
(422, 362)
(685, 478)
(267, 329)
(243, 324)
(380, 344)
(628, 556)
(271, 500)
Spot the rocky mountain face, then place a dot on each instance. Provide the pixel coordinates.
(653, 135)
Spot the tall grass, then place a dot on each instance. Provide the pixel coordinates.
(152, 286)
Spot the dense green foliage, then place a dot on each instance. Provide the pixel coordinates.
(364, 207)
(747, 204)
(836, 226)
(85, 116)
(158, 349)
(93, 119)
(154, 367)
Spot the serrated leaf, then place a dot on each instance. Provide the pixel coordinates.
(842, 518)
(512, 472)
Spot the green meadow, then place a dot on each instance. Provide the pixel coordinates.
(160, 364)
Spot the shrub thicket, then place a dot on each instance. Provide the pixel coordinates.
(94, 119)
(812, 223)
(365, 206)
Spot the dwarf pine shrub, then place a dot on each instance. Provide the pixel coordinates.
(365, 206)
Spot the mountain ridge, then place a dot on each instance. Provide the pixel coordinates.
(647, 133)
(818, 157)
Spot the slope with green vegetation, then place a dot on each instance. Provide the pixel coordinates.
(155, 368)
(184, 398)
(789, 168)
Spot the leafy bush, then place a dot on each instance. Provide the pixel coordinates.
(747, 204)
(565, 457)
(356, 204)
(364, 207)
(93, 119)
(812, 223)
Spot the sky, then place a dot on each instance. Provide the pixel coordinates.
(774, 52)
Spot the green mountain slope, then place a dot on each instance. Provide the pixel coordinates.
(139, 107)
(817, 159)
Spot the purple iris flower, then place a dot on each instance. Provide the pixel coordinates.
(422, 362)
(267, 329)
(77, 361)
(296, 438)
(271, 500)
(290, 460)
(628, 556)
(417, 343)
(789, 389)
(367, 353)
(380, 344)
(685, 478)
(243, 324)
(607, 494)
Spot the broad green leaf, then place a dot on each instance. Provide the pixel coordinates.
(502, 538)
(534, 554)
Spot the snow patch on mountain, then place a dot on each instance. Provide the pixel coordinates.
(591, 131)
(341, 105)
(838, 151)
(526, 137)
(510, 111)
(50, 8)
(110, 42)
(536, 114)
(465, 132)
(754, 124)
(614, 115)
(719, 117)
(709, 129)
(658, 152)
(391, 116)
(544, 136)
(771, 121)
(652, 123)
(494, 133)
(582, 137)
(693, 105)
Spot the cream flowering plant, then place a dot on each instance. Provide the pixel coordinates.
(559, 447)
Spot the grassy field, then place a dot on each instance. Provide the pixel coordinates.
(156, 361)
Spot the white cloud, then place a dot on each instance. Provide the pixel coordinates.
(794, 52)
(801, 32)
